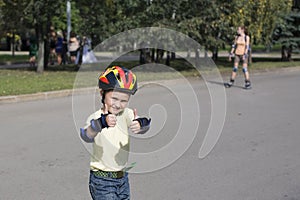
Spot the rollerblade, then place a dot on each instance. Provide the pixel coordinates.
(229, 84)
(247, 84)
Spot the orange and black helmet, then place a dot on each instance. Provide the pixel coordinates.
(118, 78)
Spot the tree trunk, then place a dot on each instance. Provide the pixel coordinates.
(168, 58)
(205, 53)
(215, 54)
(159, 55)
(40, 66)
(188, 55)
(290, 53)
(197, 57)
(152, 54)
(142, 56)
(13, 44)
(173, 56)
(286, 53)
(46, 53)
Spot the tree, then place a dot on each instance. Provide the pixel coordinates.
(12, 20)
(1, 16)
(212, 23)
(59, 17)
(260, 18)
(41, 15)
(208, 27)
(38, 14)
(288, 35)
(109, 17)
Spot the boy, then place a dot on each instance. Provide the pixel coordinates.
(107, 129)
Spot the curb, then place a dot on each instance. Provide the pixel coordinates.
(50, 95)
(70, 92)
(45, 95)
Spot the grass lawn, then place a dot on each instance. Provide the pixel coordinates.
(14, 82)
(16, 58)
(26, 81)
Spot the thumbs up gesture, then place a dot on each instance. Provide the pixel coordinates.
(135, 126)
(110, 119)
(135, 114)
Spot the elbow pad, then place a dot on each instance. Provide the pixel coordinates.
(247, 48)
(98, 124)
(145, 124)
(85, 137)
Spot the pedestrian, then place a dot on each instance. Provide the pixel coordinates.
(33, 50)
(107, 129)
(88, 55)
(73, 47)
(239, 51)
(59, 47)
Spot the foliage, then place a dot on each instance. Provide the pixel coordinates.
(288, 32)
(212, 23)
(12, 21)
(260, 17)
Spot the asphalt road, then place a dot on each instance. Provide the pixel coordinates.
(257, 156)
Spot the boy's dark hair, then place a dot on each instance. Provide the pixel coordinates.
(103, 95)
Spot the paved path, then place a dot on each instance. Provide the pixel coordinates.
(107, 57)
(257, 156)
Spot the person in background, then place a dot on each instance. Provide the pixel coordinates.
(59, 47)
(73, 47)
(33, 49)
(239, 51)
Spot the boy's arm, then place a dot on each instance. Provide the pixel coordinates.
(144, 124)
(88, 134)
(93, 128)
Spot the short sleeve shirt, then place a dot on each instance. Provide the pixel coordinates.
(111, 145)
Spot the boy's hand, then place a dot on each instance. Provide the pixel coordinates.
(135, 126)
(110, 119)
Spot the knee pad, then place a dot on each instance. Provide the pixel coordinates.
(234, 69)
(245, 69)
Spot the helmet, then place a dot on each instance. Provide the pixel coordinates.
(118, 78)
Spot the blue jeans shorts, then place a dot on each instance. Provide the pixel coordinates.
(107, 188)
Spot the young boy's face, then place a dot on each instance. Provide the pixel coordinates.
(116, 101)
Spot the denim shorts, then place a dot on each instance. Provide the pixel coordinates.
(105, 188)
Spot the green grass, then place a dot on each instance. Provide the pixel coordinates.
(16, 81)
(15, 58)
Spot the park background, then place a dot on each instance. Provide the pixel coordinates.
(257, 155)
(273, 26)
